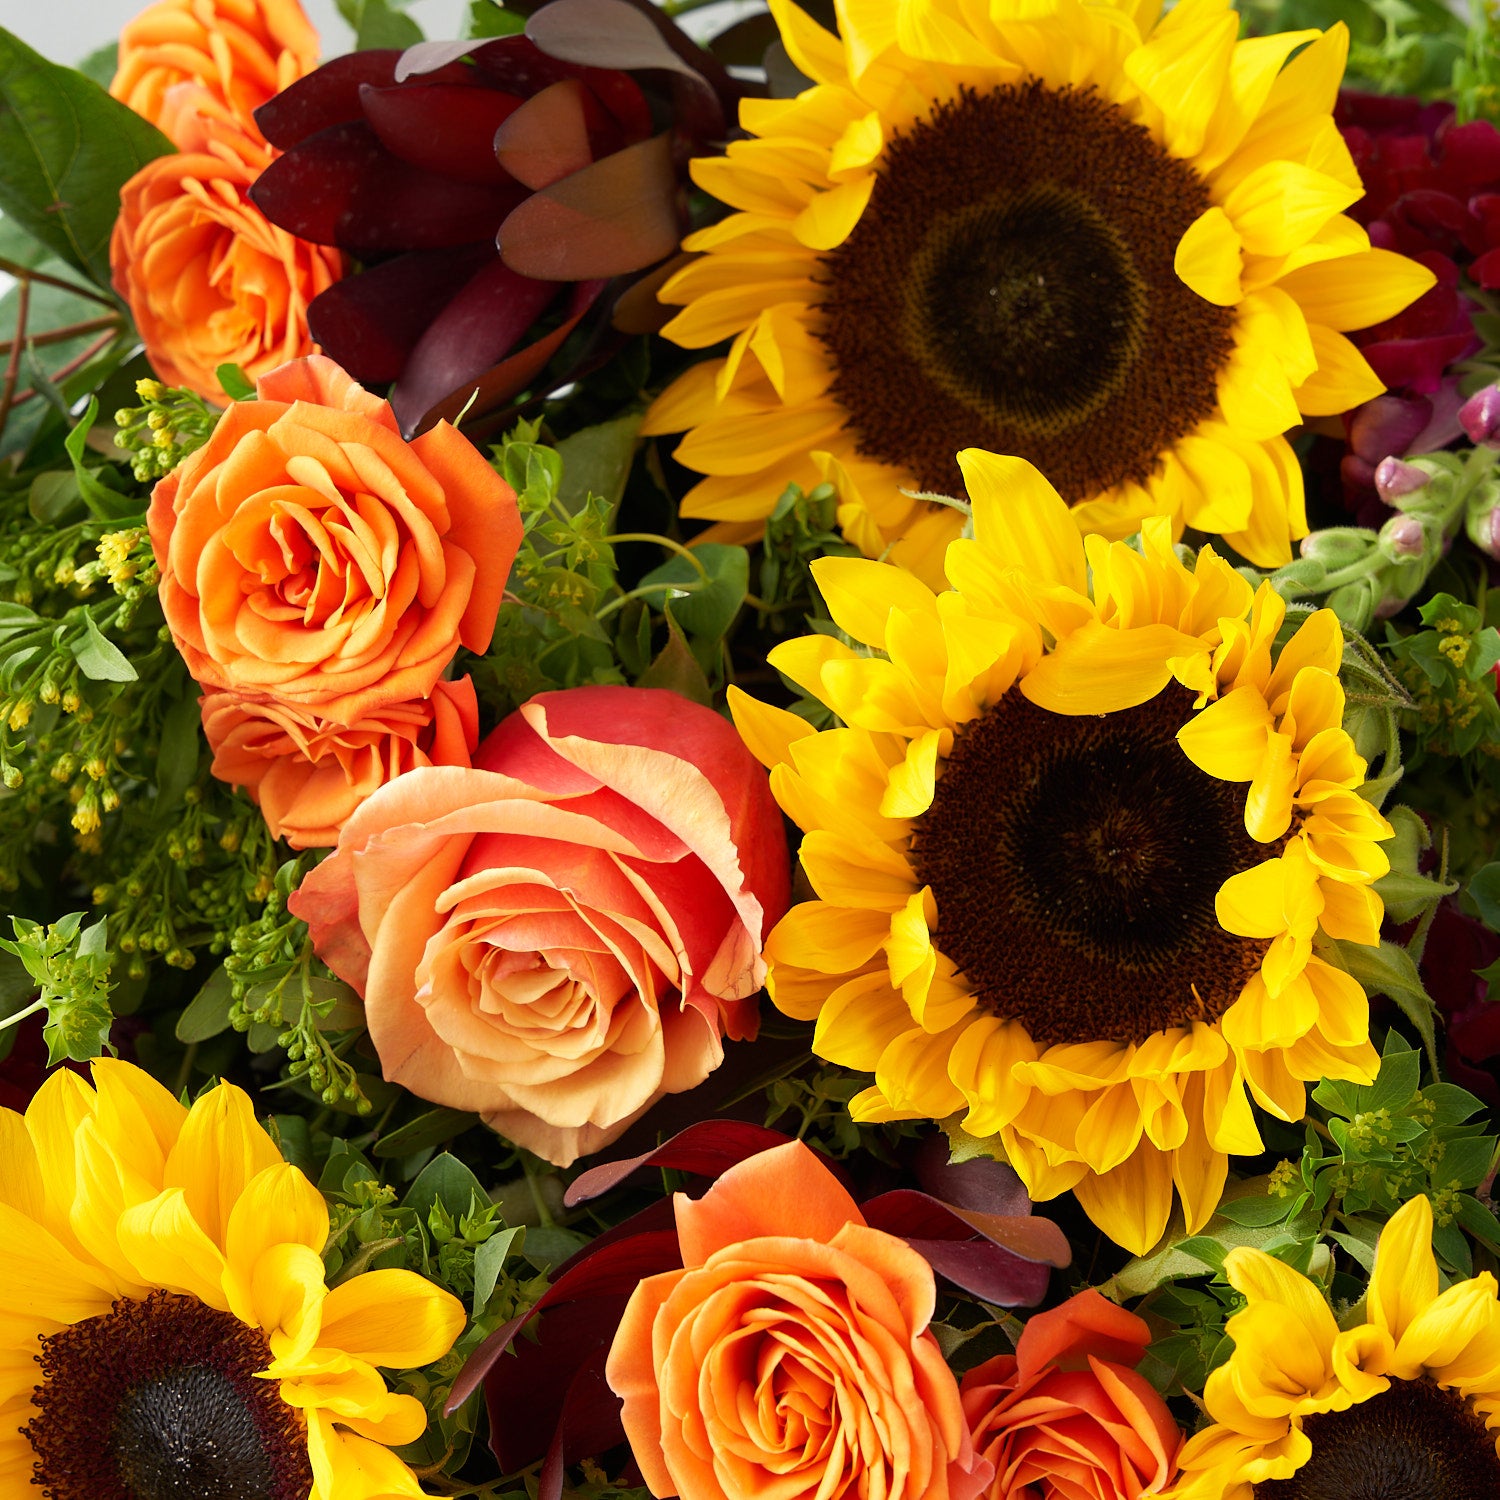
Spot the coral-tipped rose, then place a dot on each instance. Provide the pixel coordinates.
(311, 557)
(209, 280)
(308, 774)
(1067, 1417)
(241, 51)
(790, 1357)
(566, 932)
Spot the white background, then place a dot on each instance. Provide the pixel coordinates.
(67, 30)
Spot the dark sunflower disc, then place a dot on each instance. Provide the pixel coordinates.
(1010, 286)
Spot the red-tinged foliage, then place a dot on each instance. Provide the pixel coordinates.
(474, 182)
(547, 1399)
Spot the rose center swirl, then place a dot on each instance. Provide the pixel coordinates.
(1415, 1441)
(1011, 286)
(1074, 862)
(159, 1400)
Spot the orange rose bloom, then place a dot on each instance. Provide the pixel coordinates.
(241, 51)
(790, 1358)
(208, 278)
(307, 774)
(310, 556)
(561, 935)
(1067, 1417)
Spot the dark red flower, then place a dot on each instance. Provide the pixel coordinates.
(484, 186)
(1457, 946)
(1432, 191)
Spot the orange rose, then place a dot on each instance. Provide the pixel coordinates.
(307, 774)
(790, 1357)
(208, 278)
(311, 557)
(1067, 1417)
(565, 933)
(241, 51)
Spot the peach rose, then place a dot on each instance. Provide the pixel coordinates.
(565, 933)
(308, 774)
(208, 278)
(312, 558)
(789, 1358)
(242, 51)
(1067, 1417)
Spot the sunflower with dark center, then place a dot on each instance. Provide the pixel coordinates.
(1108, 240)
(1078, 850)
(168, 1331)
(1404, 1405)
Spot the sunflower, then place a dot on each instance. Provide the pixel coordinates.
(1405, 1402)
(167, 1328)
(1102, 238)
(1078, 849)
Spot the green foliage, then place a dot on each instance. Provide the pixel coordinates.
(66, 148)
(380, 23)
(802, 527)
(1449, 670)
(168, 425)
(487, 18)
(70, 966)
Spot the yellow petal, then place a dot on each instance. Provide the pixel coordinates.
(220, 1148)
(1228, 739)
(1182, 71)
(347, 1467)
(1097, 670)
(1405, 1278)
(1209, 259)
(1021, 520)
(1259, 1277)
(859, 1020)
(165, 1243)
(865, 874)
(913, 1073)
(1343, 379)
(1132, 1203)
(913, 781)
(1357, 291)
(830, 218)
(981, 1067)
(392, 1318)
(279, 1206)
(284, 1297)
(861, 595)
(21, 1185)
(830, 939)
(768, 732)
(1282, 204)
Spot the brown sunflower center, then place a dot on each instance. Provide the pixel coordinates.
(159, 1400)
(1415, 1441)
(1074, 862)
(1011, 286)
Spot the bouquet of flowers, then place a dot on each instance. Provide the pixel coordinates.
(751, 752)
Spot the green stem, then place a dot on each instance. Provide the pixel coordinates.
(639, 593)
(660, 541)
(21, 1015)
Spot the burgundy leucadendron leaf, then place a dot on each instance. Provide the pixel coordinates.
(444, 128)
(981, 1183)
(547, 138)
(706, 1149)
(614, 216)
(327, 96)
(497, 384)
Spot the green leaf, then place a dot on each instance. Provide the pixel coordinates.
(1479, 1221)
(207, 1013)
(677, 669)
(596, 460)
(435, 1127)
(548, 1246)
(237, 385)
(99, 658)
(66, 148)
(1397, 1082)
(379, 23)
(1388, 970)
(1453, 1104)
(101, 64)
(178, 750)
(705, 607)
(486, 18)
(446, 1180)
(54, 496)
(1464, 1162)
(489, 1261)
(1256, 1212)
(106, 504)
(1484, 889)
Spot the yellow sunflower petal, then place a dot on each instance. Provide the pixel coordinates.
(1357, 291)
(221, 1146)
(347, 1467)
(1405, 1278)
(859, 1020)
(768, 731)
(392, 1318)
(981, 1069)
(165, 1243)
(1132, 1203)
(1182, 71)
(1020, 518)
(1343, 379)
(1228, 739)
(830, 939)
(860, 595)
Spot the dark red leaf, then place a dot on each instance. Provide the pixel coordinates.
(589, 1423)
(615, 216)
(528, 1390)
(342, 187)
(519, 66)
(477, 329)
(986, 1271)
(637, 310)
(327, 96)
(371, 322)
(447, 128)
(613, 1270)
(707, 1149)
(546, 138)
(983, 1184)
(915, 1215)
(485, 392)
